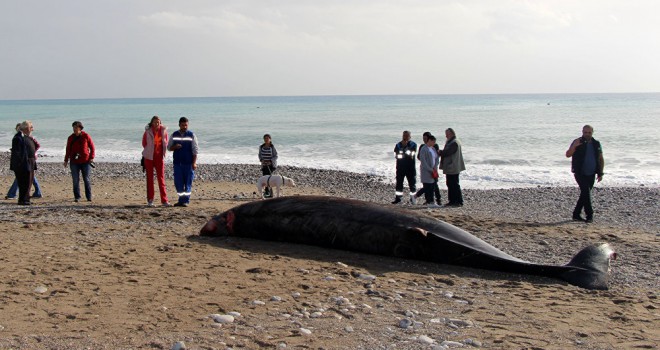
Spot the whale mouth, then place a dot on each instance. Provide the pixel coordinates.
(221, 225)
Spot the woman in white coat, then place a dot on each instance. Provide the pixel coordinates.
(428, 170)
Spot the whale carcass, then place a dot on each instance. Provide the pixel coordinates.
(370, 228)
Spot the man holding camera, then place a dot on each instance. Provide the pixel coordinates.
(80, 150)
(587, 164)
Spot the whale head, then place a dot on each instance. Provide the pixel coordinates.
(220, 225)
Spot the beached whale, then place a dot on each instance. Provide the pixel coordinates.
(367, 227)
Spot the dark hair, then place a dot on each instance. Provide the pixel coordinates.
(78, 124)
(267, 135)
(427, 134)
(451, 131)
(431, 137)
(183, 120)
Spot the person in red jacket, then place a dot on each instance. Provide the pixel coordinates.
(154, 141)
(80, 151)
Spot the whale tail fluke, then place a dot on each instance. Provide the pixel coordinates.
(590, 268)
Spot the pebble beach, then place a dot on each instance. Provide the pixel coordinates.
(113, 273)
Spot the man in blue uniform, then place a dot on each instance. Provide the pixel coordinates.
(183, 144)
(404, 152)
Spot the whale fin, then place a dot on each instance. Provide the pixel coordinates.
(590, 267)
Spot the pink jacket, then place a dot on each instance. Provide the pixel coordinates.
(148, 142)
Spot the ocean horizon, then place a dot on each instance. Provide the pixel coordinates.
(509, 140)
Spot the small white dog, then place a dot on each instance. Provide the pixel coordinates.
(276, 181)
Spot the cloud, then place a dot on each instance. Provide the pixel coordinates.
(271, 31)
(265, 47)
(524, 22)
(224, 20)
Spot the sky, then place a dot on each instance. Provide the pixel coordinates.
(196, 48)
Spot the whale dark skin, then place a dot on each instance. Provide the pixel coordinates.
(370, 228)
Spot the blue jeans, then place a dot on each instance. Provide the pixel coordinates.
(14, 189)
(76, 169)
(183, 179)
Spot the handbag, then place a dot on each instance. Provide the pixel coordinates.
(435, 174)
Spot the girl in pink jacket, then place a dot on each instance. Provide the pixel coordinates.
(154, 142)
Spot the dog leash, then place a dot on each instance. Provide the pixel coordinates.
(271, 175)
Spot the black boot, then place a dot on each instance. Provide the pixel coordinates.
(577, 216)
(397, 200)
(267, 193)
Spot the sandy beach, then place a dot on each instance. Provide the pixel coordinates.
(115, 274)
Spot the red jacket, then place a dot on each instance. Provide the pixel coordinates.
(80, 149)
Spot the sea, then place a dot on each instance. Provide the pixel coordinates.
(509, 141)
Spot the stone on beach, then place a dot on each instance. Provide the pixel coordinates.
(366, 277)
(451, 344)
(405, 323)
(425, 339)
(223, 319)
(179, 346)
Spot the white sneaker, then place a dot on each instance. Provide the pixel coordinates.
(432, 206)
(413, 201)
(167, 204)
(150, 203)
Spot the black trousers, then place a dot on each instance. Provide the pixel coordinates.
(428, 192)
(24, 180)
(436, 192)
(411, 176)
(586, 183)
(267, 170)
(454, 194)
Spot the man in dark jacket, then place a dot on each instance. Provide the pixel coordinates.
(404, 152)
(587, 164)
(452, 163)
(23, 161)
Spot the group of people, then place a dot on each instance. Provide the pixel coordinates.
(449, 159)
(80, 152)
(79, 157)
(13, 189)
(23, 162)
(184, 147)
(586, 155)
(586, 152)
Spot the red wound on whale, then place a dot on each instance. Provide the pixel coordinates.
(229, 224)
